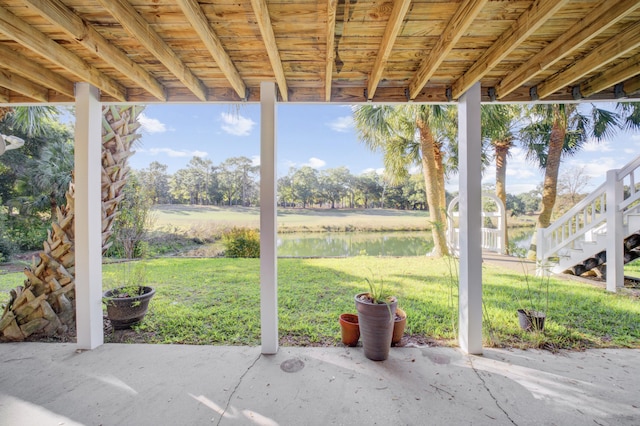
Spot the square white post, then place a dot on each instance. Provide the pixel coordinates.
(615, 232)
(470, 290)
(268, 220)
(88, 218)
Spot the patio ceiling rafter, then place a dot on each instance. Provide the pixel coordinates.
(632, 86)
(400, 8)
(197, 17)
(131, 20)
(84, 33)
(624, 70)
(527, 24)
(28, 36)
(332, 8)
(34, 72)
(266, 29)
(615, 47)
(21, 85)
(600, 19)
(4, 97)
(457, 26)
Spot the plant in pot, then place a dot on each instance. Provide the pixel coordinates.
(533, 313)
(128, 304)
(376, 312)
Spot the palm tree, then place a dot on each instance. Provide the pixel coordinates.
(498, 121)
(412, 135)
(557, 130)
(45, 304)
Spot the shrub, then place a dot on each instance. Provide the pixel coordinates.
(27, 232)
(241, 242)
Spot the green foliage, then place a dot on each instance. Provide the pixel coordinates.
(241, 242)
(27, 232)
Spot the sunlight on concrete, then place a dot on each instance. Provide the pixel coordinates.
(232, 413)
(15, 411)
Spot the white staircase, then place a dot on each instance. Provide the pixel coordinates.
(594, 230)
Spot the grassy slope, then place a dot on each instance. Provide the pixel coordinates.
(216, 301)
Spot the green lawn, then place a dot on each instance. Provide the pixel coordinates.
(216, 301)
(184, 216)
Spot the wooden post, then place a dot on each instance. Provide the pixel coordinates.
(88, 225)
(470, 291)
(615, 234)
(268, 220)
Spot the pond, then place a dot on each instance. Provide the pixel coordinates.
(346, 244)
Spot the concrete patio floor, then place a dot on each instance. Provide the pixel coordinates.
(119, 384)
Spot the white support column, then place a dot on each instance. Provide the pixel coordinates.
(88, 218)
(615, 234)
(470, 291)
(268, 220)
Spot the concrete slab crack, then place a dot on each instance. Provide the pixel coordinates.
(233, 392)
(490, 393)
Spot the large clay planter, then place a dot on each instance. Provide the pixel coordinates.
(399, 324)
(124, 312)
(376, 326)
(350, 329)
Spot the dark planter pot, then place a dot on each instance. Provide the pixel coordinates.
(376, 326)
(531, 320)
(125, 310)
(350, 329)
(399, 324)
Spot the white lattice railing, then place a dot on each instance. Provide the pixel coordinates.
(613, 201)
(493, 239)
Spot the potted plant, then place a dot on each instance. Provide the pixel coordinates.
(376, 311)
(128, 304)
(532, 314)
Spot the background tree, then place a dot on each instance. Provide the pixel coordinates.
(305, 185)
(155, 179)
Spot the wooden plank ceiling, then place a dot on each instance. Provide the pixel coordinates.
(343, 51)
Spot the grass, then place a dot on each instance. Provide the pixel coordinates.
(217, 301)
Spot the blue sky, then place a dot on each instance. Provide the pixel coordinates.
(322, 136)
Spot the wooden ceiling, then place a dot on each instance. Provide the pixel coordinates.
(343, 51)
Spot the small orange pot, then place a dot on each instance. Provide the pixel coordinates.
(399, 324)
(350, 329)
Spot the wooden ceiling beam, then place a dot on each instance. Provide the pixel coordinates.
(35, 72)
(632, 86)
(537, 14)
(623, 71)
(4, 96)
(84, 33)
(197, 18)
(457, 26)
(28, 36)
(618, 45)
(135, 25)
(266, 29)
(332, 8)
(19, 84)
(400, 8)
(608, 13)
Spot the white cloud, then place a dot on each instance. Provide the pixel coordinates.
(236, 125)
(255, 160)
(341, 124)
(593, 145)
(315, 163)
(173, 153)
(151, 125)
(379, 171)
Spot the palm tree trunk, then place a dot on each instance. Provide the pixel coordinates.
(502, 151)
(46, 304)
(550, 183)
(434, 186)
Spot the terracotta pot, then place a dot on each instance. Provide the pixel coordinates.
(350, 329)
(531, 320)
(124, 312)
(376, 326)
(399, 324)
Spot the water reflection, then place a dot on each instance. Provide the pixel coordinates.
(346, 244)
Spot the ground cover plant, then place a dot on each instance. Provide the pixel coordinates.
(217, 301)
